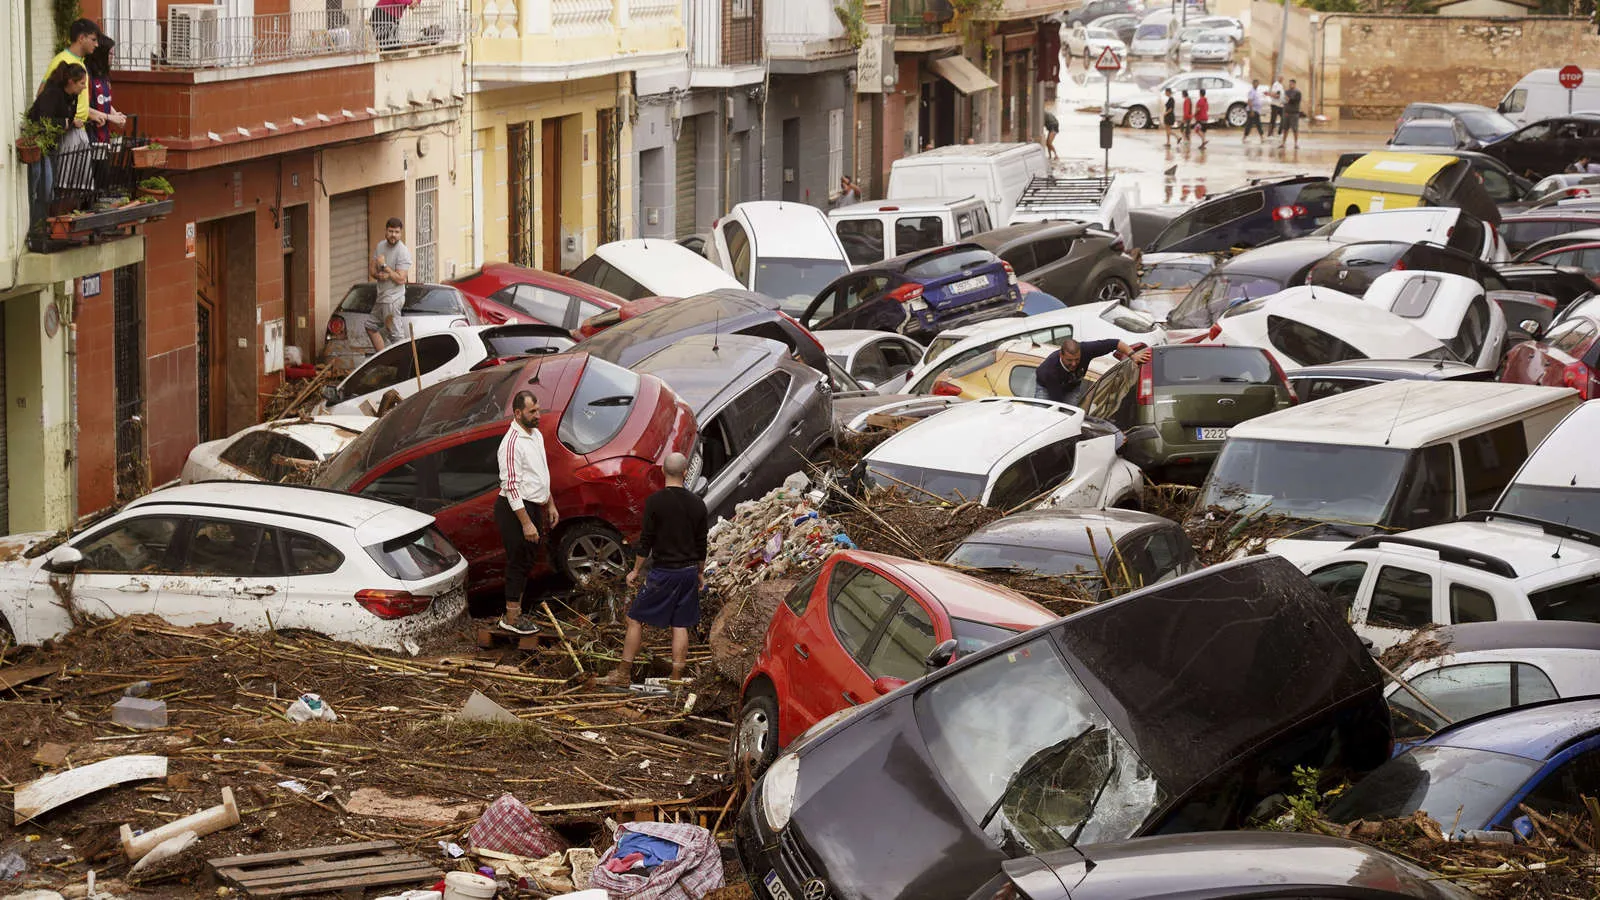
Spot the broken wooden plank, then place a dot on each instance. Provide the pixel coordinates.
(323, 869)
(51, 755)
(16, 676)
(44, 794)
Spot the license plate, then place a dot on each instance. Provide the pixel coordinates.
(1211, 434)
(775, 887)
(971, 284)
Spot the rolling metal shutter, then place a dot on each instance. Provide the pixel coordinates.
(347, 244)
(688, 148)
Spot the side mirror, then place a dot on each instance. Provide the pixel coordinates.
(886, 684)
(940, 656)
(1530, 327)
(63, 560)
(700, 485)
(330, 393)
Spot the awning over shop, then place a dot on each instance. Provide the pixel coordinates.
(959, 71)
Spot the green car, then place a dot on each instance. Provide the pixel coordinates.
(1176, 409)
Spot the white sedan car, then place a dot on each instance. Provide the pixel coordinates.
(1007, 452)
(1089, 42)
(1310, 326)
(1452, 308)
(880, 361)
(272, 450)
(427, 308)
(1443, 225)
(1225, 94)
(1207, 47)
(255, 556)
(438, 357)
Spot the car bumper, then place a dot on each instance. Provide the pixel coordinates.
(391, 634)
(1117, 114)
(924, 326)
(775, 864)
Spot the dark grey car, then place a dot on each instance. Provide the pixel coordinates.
(1076, 263)
(725, 311)
(1226, 864)
(1134, 549)
(761, 413)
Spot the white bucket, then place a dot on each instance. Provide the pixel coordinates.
(468, 886)
(590, 894)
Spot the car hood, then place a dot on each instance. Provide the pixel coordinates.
(1306, 553)
(14, 548)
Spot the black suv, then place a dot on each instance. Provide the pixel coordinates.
(1263, 211)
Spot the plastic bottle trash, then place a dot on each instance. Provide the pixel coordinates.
(11, 865)
(310, 708)
(796, 483)
(137, 689)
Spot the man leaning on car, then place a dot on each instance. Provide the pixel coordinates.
(1060, 376)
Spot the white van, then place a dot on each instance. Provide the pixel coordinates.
(995, 173)
(877, 230)
(1560, 482)
(1539, 96)
(1154, 35)
(1391, 457)
(651, 267)
(783, 250)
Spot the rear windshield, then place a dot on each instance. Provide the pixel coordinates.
(1578, 601)
(793, 282)
(1172, 276)
(431, 300)
(919, 482)
(1150, 32)
(1212, 365)
(1037, 560)
(1426, 134)
(1573, 506)
(1353, 269)
(599, 407)
(416, 556)
(976, 364)
(941, 265)
(504, 345)
(1452, 784)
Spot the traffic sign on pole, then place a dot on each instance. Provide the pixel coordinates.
(1571, 78)
(1108, 62)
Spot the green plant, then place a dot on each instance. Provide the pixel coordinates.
(42, 133)
(155, 184)
(853, 16)
(66, 12)
(152, 145)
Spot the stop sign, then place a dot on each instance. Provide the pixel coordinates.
(1571, 77)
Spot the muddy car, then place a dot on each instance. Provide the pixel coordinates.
(1175, 708)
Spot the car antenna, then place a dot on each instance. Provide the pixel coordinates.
(716, 333)
(1403, 395)
(1562, 537)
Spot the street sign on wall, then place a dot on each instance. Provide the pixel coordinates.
(875, 69)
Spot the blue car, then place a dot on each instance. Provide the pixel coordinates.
(1472, 776)
(919, 294)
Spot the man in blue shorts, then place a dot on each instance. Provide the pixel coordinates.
(673, 539)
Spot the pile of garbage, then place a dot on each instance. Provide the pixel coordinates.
(779, 535)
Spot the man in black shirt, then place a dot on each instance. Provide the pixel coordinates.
(674, 540)
(1060, 376)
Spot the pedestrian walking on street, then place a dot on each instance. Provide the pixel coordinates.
(1052, 127)
(1202, 115)
(525, 513)
(1275, 98)
(1168, 117)
(1254, 102)
(389, 268)
(673, 539)
(1291, 114)
(1188, 116)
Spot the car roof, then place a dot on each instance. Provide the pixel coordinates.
(1405, 414)
(372, 520)
(508, 273)
(1537, 556)
(672, 270)
(1536, 731)
(848, 340)
(1352, 320)
(1562, 459)
(1451, 107)
(970, 151)
(917, 205)
(703, 368)
(1389, 369)
(906, 260)
(1064, 529)
(325, 434)
(972, 438)
(996, 238)
(1532, 635)
(963, 596)
(725, 310)
(802, 229)
(1273, 258)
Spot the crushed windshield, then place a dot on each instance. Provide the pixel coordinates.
(1320, 482)
(1451, 784)
(1030, 756)
(958, 487)
(1215, 293)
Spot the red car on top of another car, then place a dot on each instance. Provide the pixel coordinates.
(501, 292)
(606, 429)
(860, 625)
(629, 308)
(1567, 356)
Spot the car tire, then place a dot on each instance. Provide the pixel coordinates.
(1112, 288)
(588, 548)
(1237, 115)
(1138, 117)
(755, 740)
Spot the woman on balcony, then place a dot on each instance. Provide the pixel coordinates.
(386, 22)
(99, 65)
(56, 104)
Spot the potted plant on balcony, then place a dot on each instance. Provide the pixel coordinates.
(37, 139)
(155, 188)
(149, 156)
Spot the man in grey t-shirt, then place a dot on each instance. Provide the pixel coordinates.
(389, 267)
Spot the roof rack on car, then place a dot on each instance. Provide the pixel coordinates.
(1494, 565)
(1554, 529)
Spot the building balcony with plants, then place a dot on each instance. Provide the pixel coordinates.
(90, 194)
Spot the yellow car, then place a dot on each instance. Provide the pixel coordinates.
(1393, 180)
(1006, 371)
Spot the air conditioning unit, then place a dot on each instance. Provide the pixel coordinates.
(193, 34)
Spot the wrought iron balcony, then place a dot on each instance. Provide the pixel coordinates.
(89, 195)
(919, 17)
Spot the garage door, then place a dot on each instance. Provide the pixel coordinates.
(5, 475)
(686, 171)
(347, 243)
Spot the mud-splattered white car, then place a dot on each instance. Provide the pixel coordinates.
(256, 556)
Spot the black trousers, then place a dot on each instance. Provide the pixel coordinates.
(1252, 119)
(1275, 120)
(521, 554)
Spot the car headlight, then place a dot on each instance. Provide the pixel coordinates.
(778, 790)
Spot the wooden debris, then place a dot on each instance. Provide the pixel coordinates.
(16, 676)
(51, 755)
(318, 869)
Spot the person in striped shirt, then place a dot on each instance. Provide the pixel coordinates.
(525, 512)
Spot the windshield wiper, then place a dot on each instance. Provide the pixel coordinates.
(1033, 765)
(1235, 379)
(1111, 769)
(613, 400)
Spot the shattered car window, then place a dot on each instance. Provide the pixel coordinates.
(958, 487)
(1030, 756)
(1295, 479)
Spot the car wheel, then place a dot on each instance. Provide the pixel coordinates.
(1237, 115)
(1138, 117)
(590, 548)
(1113, 289)
(755, 742)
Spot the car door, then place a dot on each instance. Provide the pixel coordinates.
(315, 589)
(830, 675)
(1054, 271)
(900, 355)
(863, 305)
(745, 449)
(869, 365)
(1464, 691)
(123, 565)
(1023, 262)
(901, 646)
(1402, 599)
(1342, 582)
(457, 484)
(228, 571)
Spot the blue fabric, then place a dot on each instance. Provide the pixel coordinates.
(656, 850)
(669, 598)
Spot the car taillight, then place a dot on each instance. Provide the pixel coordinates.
(1117, 246)
(1399, 266)
(493, 361)
(392, 604)
(1214, 332)
(1577, 376)
(1577, 192)
(946, 389)
(1011, 274)
(805, 331)
(906, 293)
(1280, 213)
(1147, 384)
(335, 327)
(1277, 372)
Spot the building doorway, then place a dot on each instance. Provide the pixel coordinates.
(791, 160)
(299, 321)
(225, 329)
(209, 281)
(519, 197)
(127, 328)
(550, 179)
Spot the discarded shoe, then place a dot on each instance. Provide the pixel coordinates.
(523, 624)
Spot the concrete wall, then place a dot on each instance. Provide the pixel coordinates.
(808, 98)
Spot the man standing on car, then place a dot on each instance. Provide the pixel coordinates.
(1060, 376)
(525, 512)
(673, 539)
(389, 267)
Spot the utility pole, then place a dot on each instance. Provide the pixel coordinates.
(1283, 44)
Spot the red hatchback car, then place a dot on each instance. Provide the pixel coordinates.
(606, 432)
(860, 625)
(501, 292)
(1569, 356)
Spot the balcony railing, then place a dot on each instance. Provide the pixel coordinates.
(194, 36)
(716, 41)
(87, 195)
(919, 17)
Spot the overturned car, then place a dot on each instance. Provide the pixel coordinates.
(1180, 707)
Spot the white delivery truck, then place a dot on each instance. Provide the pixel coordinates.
(1539, 95)
(995, 173)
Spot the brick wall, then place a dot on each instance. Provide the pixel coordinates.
(174, 109)
(97, 427)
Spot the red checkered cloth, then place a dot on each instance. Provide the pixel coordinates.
(696, 872)
(508, 826)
